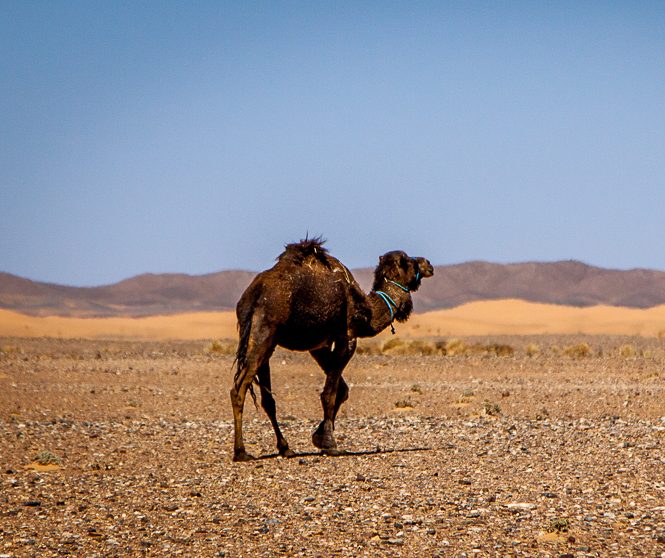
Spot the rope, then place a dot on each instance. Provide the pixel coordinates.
(389, 303)
(405, 289)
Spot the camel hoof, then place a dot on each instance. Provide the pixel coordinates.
(333, 452)
(288, 453)
(243, 456)
(323, 442)
(317, 440)
(323, 439)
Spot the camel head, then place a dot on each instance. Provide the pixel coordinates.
(398, 267)
(425, 269)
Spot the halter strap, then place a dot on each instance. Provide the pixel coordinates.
(390, 303)
(405, 289)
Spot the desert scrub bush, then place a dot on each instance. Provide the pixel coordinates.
(218, 347)
(457, 347)
(491, 409)
(404, 404)
(47, 458)
(368, 347)
(11, 350)
(454, 347)
(397, 346)
(532, 350)
(627, 351)
(581, 350)
(559, 525)
(466, 397)
(394, 345)
(415, 388)
(499, 349)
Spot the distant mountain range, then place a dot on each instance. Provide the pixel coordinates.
(567, 282)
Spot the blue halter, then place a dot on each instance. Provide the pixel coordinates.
(405, 289)
(390, 303)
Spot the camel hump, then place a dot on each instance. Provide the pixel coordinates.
(299, 252)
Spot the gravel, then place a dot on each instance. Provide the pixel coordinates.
(570, 461)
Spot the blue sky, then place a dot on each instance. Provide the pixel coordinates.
(199, 136)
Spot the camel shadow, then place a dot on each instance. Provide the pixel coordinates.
(377, 451)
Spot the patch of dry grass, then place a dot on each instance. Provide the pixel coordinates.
(221, 348)
(627, 351)
(580, 350)
(11, 350)
(404, 404)
(397, 346)
(532, 350)
(490, 408)
(47, 458)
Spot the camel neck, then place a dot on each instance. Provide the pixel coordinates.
(405, 289)
(392, 306)
(392, 303)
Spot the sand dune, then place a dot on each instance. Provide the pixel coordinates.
(477, 318)
(525, 318)
(199, 325)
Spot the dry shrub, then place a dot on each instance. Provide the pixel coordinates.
(47, 458)
(581, 350)
(627, 351)
(454, 347)
(404, 404)
(491, 409)
(500, 350)
(397, 346)
(559, 525)
(408, 347)
(11, 350)
(368, 347)
(217, 347)
(532, 350)
(394, 346)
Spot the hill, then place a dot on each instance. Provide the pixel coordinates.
(143, 295)
(569, 283)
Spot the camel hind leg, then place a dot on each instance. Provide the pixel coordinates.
(238, 394)
(256, 347)
(268, 404)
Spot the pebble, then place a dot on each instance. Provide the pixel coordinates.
(423, 504)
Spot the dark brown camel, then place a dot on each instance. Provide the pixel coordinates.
(309, 301)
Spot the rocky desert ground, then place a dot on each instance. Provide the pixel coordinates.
(485, 446)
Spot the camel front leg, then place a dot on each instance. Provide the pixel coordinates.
(323, 437)
(335, 392)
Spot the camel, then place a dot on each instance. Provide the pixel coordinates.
(309, 301)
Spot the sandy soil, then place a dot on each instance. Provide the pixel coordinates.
(501, 317)
(534, 454)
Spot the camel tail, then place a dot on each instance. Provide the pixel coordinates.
(245, 315)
